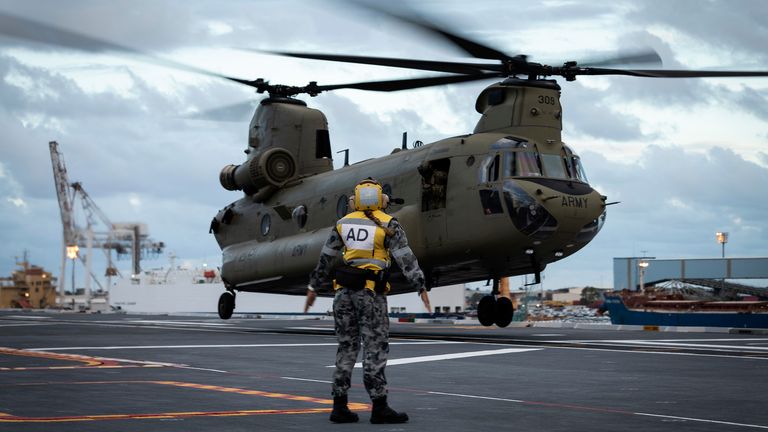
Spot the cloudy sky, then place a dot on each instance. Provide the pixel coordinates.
(686, 157)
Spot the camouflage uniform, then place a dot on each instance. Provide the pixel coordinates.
(361, 315)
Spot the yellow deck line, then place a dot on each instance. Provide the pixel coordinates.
(9, 418)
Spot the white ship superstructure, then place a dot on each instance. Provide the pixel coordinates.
(197, 290)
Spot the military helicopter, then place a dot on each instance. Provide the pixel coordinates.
(506, 199)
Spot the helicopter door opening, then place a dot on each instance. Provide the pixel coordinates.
(434, 188)
(434, 183)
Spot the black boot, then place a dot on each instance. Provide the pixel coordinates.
(382, 413)
(341, 413)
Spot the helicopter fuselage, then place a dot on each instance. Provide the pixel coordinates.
(495, 203)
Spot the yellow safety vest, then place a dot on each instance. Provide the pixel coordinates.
(364, 242)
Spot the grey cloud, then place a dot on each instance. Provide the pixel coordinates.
(365, 135)
(679, 190)
(672, 203)
(753, 101)
(733, 27)
(593, 112)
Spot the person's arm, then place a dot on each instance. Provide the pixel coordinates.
(319, 279)
(406, 260)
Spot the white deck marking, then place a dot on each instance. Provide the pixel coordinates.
(307, 379)
(35, 324)
(421, 359)
(127, 347)
(179, 323)
(662, 416)
(694, 345)
(754, 426)
(29, 317)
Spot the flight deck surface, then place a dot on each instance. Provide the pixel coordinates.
(76, 372)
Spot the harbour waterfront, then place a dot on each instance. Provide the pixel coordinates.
(141, 372)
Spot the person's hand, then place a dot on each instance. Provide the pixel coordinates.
(311, 296)
(425, 299)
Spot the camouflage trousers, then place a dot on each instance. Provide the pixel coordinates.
(361, 316)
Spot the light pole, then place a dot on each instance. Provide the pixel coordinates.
(642, 265)
(72, 254)
(722, 238)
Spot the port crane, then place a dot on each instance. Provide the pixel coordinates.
(126, 239)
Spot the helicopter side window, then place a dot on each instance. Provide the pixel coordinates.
(342, 206)
(322, 144)
(554, 166)
(266, 224)
(299, 216)
(491, 172)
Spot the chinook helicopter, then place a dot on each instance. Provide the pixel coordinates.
(506, 199)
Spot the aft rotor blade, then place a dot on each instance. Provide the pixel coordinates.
(473, 48)
(435, 66)
(236, 112)
(406, 84)
(26, 29)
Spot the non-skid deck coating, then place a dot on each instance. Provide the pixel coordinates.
(74, 372)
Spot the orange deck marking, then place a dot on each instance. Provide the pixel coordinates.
(8, 418)
(170, 415)
(86, 361)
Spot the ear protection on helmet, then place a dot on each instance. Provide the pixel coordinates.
(368, 196)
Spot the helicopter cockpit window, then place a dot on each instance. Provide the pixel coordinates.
(579, 169)
(299, 215)
(526, 164)
(553, 166)
(490, 199)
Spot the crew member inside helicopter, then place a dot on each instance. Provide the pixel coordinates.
(366, 239)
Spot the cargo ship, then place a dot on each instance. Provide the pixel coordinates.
(682, 313)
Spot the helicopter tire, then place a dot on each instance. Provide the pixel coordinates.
(226, 305)
(486, 311)
(504, 311)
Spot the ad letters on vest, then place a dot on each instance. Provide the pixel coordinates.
(358, 237)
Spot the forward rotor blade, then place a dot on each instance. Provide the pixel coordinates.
(661, 73)
(406, 84)
(429, 65)
(26, 29)
(471, 47)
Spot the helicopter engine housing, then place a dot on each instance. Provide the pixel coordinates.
(286, 140)
(273, 167)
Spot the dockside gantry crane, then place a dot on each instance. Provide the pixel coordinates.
(123, 238)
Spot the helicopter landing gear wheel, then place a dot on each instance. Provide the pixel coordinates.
(486, 311)
(226, 304)
(503, 311)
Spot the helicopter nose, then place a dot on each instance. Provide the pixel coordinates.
(528, 214)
